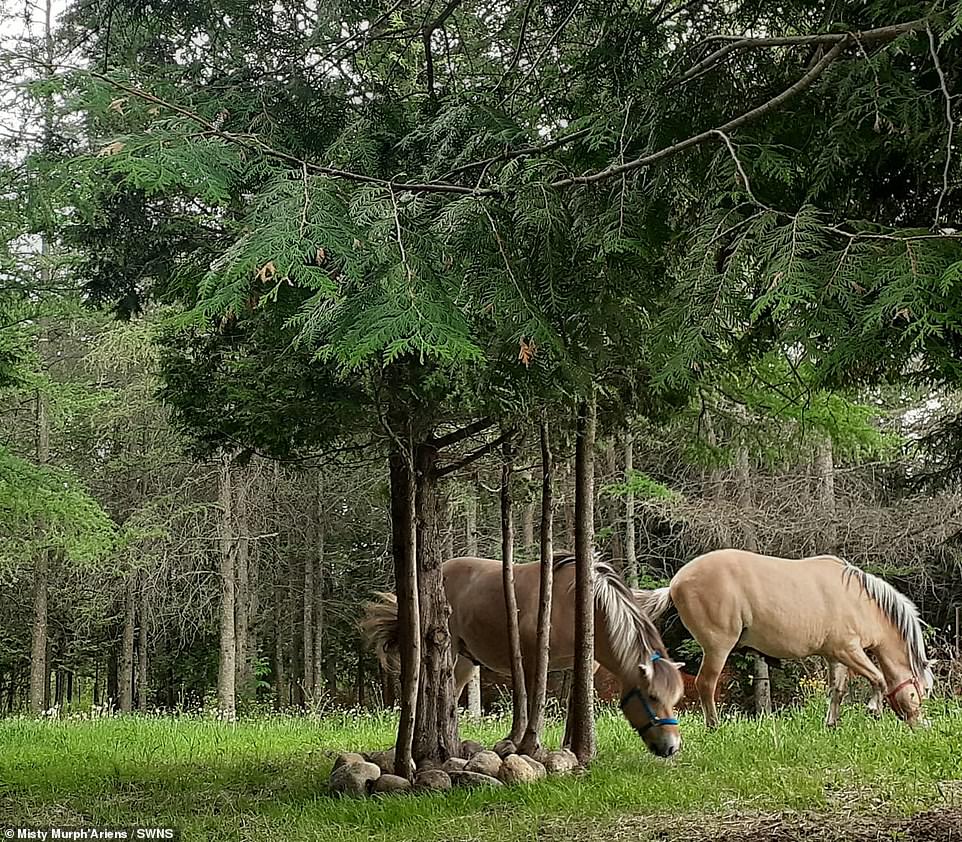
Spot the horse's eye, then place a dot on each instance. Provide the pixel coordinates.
(654, 700)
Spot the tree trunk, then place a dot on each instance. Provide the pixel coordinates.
(582, 709)
(762, 680)
(570, 492)
(436, 734)
(519, 697)
(317, 650)
(307, 654)
(227, 668)
(281, 688)
(404, 541)
(448, 529)
(126, 676)
(142, 660)
(41, 575)
(473, 687)
(825, 471)
(613, 515)
(112, 679)
(243, 678)
(360, 679)
(531, 742)
(631, 555)
(527, 518)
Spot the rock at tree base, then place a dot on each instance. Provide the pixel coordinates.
(560, 762)
(516, 770)
(354, 778)
(536, 766)
(503, 748)
(473, 779)
(346, 757)
(469, 748)
(484, 763)
(454, 764)
(432, 779)
(387, 784)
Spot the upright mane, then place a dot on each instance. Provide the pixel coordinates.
(901, 613)
(631, 634)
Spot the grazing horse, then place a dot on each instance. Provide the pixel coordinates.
(626, 641)
(790, 609)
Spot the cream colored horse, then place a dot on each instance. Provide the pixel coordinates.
(790, 609)
(626, 641)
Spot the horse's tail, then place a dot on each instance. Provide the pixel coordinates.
(654, 603)
(380, 630)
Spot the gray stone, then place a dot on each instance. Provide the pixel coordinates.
(354, 778)
(515, 770)
(473, 779)
(384, 760)
(346, 757)
(560, 762)
(454, 764)
(387, 784)
(503, 748)
(469, 748)
(484, 763)
(432, 779)
(536, 765)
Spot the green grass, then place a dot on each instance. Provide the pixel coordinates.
(266, 778)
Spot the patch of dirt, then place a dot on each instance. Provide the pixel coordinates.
(939, 825)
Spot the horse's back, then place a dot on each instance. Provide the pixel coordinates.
(752, 598)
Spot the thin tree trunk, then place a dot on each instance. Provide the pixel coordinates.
(281, 689)
(527, 517)
(825, 471)
(41, 574)
(473, 687)
(126, 677)
(570, 510)
(307, 656)
(448, 528)
(142, 663)
(96, 690)
(762, 679)
(227, 668)
(404, 540)
(317, 650)
(111, 680)
(582, 709)
(436, 734)
(612, 513)
(244, 680)
(519, 697)
(531, 742)
(631, 556)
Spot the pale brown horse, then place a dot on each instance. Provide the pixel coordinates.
(790, 609)
(626, 641)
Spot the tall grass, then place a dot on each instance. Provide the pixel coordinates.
(266, 778)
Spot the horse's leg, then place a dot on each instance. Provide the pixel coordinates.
(837, 685)
(875, 704)
(463, 670)
(706, 681)
(856, 659)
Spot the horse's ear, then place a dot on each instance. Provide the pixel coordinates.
(646, 669)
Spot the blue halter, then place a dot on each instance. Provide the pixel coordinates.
(653, 718)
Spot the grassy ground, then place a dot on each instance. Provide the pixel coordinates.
(266, 779)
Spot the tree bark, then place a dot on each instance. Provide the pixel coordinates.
(531, 742)
(307, 640)
(519, 697)
(126, 677)
(41, 575)
(281, 689)
(142, 652)
(762, 684)
(473, 688)
(404, 541)
(825, 471)
(317, 650)
(436, 734)
(570, 505)
(631, 555)
(613, 515)
(527, 517)
(582, 708)
(227, 668)
(244, 678)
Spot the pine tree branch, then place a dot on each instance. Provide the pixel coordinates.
(554, 37)
(520, 45)
(749, 116)
(885, 33)
(508, 155)
(472, 429)
(474, 455)
(948, 119)
(427, 35)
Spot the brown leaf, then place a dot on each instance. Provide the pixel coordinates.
(111, 149)
(267, 272)
(527, 352)
(118, 105)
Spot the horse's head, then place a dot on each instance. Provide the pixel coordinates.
(650, 704)
(906, 700)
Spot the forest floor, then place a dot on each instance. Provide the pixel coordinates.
(265, 778)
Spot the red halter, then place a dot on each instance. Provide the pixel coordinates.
(890, 695)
